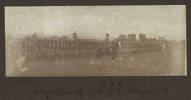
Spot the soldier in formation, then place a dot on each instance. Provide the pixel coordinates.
(36, 48)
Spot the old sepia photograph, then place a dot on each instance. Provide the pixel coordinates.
(60, 41)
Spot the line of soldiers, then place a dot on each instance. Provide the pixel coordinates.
(35, 48)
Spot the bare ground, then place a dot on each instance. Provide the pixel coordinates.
(140, 64)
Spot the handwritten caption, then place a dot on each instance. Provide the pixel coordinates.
(106, 88)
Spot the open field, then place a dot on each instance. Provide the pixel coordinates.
(137, 64)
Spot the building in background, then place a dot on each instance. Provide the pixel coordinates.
(132, 37)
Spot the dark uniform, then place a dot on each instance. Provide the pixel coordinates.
(107, 43)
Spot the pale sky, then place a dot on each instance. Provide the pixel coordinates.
(95, 21)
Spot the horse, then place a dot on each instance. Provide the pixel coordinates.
(108, 51)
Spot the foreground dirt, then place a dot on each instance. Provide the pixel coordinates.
(140, 64)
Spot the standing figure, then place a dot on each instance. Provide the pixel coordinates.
(164, 49)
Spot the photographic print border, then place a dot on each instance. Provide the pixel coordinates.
(14, 87)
